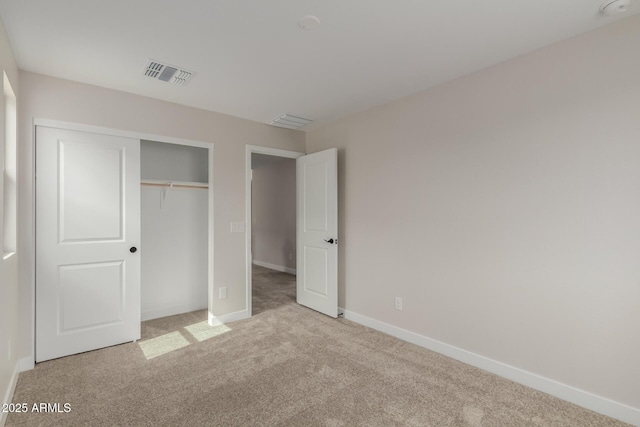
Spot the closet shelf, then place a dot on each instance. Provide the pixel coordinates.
(174, 184)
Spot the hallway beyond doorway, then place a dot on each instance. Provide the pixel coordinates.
(271, 289)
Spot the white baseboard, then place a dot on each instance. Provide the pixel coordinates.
(170, 311)
(26, 364)
(228, 318)
(274, 267)
(8, 396)
(566, 392)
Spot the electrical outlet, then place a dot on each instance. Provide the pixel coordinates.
(398, 303)
(222, 292)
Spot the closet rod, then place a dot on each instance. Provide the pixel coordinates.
(153, 184)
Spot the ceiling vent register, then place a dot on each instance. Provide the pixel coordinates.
(290, 122)
(167, 73)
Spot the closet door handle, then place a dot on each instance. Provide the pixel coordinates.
(133, 249)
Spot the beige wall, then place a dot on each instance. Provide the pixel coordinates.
(8, 267)
(504, 208)
(55, 99)
(273, 206)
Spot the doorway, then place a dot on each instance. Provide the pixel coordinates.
(273, 231)
(271, 219)
(174, 211)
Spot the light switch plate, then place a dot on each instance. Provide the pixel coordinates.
(237, 227)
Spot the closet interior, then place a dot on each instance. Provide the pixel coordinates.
(174, 201)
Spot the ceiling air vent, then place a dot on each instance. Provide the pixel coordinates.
(288, 121)
(167, 73)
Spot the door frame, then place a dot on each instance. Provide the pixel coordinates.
(251, 149)
(210, 146)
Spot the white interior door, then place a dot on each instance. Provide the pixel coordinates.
(317, 231)
(87, 226)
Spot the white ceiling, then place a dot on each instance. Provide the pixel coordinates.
(253, 61)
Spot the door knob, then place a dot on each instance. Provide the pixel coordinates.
(331, 241)
(133, 249)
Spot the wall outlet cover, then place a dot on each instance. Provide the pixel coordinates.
(237, 227)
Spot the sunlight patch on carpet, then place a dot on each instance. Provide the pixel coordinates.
(163, 344)
(203, 331)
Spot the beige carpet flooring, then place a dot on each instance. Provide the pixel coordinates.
(288, 366)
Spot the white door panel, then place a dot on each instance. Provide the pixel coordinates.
(90, 192)
(317, 230)
(87, 219)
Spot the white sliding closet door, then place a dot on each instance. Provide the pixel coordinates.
(87, 234)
